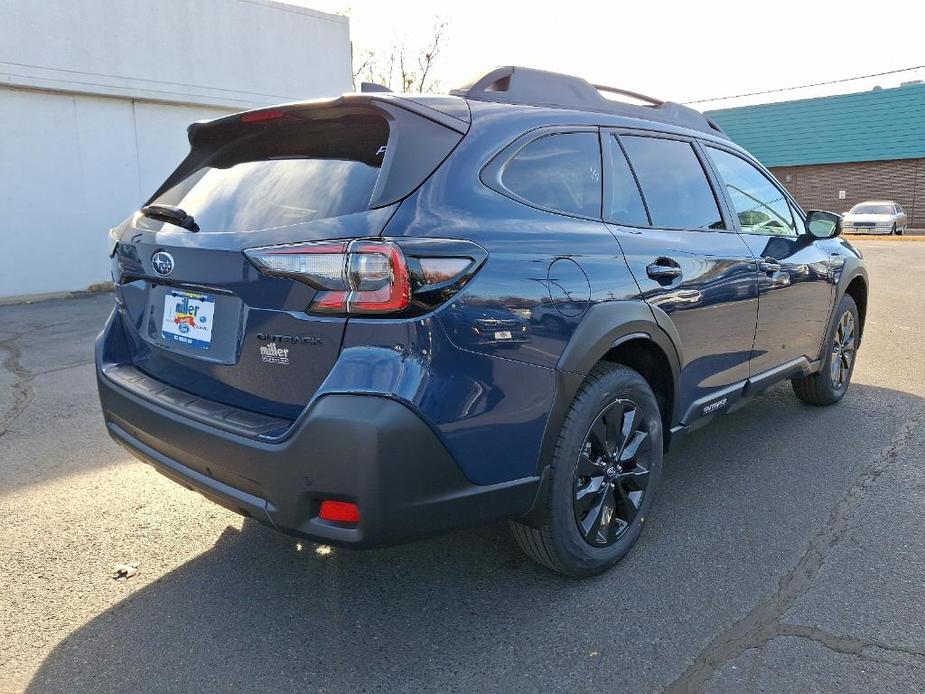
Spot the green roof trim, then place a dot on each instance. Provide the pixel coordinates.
(868, 126)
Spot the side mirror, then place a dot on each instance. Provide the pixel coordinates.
(823, 225)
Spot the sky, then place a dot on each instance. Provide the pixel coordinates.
(669, 50)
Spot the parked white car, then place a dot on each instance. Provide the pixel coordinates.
(875, 217)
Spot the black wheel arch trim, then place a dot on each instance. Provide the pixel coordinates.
(604, 326)
(852, 269)
(611, 323)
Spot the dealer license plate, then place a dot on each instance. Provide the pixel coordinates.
(188, 318)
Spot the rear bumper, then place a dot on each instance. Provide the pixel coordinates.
(373, 451)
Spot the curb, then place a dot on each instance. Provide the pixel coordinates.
(885, 238)
(23, 299)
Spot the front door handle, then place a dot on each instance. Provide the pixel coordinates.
(659, 271)
(768, 265)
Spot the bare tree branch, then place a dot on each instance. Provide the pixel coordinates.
(429, 56)
(407, 77)
(362, 64)
(397, 69)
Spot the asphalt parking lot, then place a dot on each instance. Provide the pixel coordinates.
(785, 554)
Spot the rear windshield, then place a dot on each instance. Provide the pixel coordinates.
(285, 173)
(866, 208)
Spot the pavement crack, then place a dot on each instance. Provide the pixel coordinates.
(66, 367)
(762, 623)
(846, 644)
(22, 384)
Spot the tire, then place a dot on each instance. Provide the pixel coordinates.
(900, 232)
(623, 484)
(829, 384)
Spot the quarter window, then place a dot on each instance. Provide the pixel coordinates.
(760, 205)
(559, 172)
(624, 203)
(673, 183)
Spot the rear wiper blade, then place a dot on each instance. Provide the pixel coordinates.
(172, 214)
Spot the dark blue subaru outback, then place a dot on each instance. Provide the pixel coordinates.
(380, 316)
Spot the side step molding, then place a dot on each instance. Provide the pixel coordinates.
(732, 398)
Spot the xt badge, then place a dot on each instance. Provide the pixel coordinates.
(272, 354)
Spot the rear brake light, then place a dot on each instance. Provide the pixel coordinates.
(339, 512)
(379, 278)
(260, 116)
(359, 277)
(374, 276)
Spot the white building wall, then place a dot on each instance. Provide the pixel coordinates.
(94, 102)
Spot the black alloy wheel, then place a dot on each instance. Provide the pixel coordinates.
(829, 384)
(843, 350)
(612, 473)
(602, 477)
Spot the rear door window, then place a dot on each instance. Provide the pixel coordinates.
(761, 207)
(284, 175)
(560, 172)
(673, 182)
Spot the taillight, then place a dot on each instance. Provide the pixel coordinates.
(440, 270)
(373, 276)
(352, 277)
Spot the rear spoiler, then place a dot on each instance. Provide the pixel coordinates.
(436, 133)
(325, 108)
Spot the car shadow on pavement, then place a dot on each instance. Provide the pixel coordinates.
(467, 611)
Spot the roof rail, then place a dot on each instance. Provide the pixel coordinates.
(626, 92)
(529, 87)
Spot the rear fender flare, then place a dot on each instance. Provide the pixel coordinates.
(606, 325)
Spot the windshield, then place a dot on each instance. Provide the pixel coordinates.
(285, 174)
(871, 208)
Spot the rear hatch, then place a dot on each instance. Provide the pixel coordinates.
(200, 316)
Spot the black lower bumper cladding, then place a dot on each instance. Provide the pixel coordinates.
(368, 450)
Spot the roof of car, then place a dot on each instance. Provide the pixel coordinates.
(528, 87)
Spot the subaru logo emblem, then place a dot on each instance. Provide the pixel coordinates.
(162, 262)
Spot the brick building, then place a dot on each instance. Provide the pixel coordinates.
(836, 151)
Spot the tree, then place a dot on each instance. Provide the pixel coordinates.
(400, 68)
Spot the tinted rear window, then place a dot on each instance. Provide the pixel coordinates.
(558, 172)
(284, 174)
(673, 183)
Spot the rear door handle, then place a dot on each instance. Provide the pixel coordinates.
(657, 271)
(769, 265)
